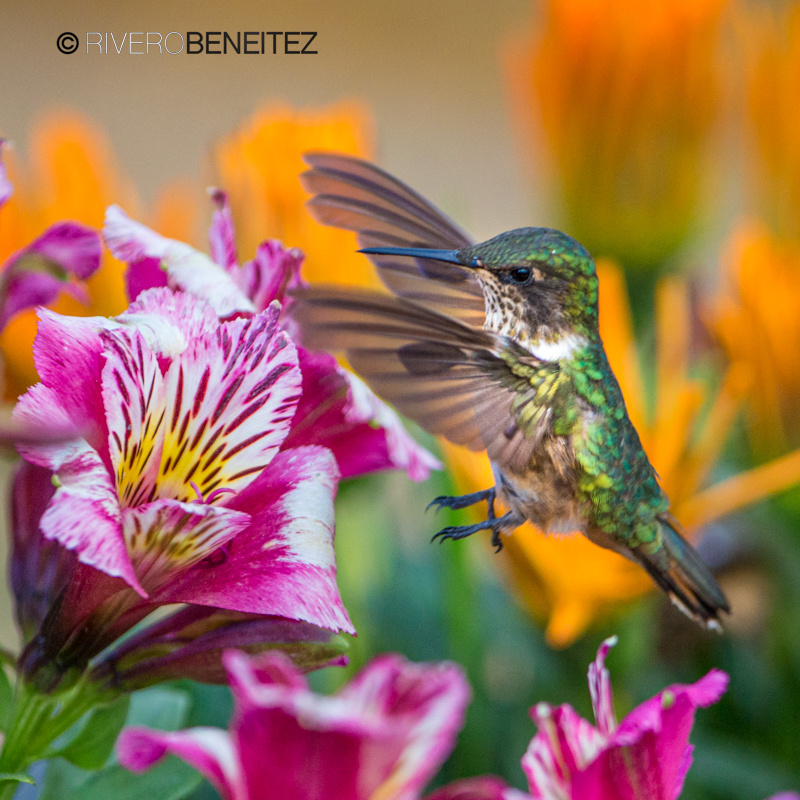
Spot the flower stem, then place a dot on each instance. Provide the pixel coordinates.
(37, 719)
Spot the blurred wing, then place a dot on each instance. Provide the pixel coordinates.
(354, 194)
(473, 387)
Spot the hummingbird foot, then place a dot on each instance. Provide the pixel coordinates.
(465, 501)
(496, 524)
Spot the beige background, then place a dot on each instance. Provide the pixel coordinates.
(430, 71)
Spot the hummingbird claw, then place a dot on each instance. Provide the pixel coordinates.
(464, 500)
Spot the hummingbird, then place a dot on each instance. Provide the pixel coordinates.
(495, 346)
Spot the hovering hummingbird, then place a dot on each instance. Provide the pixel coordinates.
(495, 346)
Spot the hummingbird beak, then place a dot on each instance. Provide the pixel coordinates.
(450, 256)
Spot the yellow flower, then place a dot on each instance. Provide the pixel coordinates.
(756, 317)
(570, 581)
(258, 166)
(624, 93)
(773, 86)
(71, 175)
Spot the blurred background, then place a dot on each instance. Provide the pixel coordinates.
(665, 135)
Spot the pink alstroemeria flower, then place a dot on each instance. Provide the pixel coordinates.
(59, 260)
(179, 491)
(336, 409)
(382, 736)
(647, 755)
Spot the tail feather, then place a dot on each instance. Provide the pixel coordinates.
(678, 569)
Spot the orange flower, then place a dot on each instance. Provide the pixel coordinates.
(625, 93)
(756, 316)
(570, 581)
(71, 175)
(773, 86)
(258, 167)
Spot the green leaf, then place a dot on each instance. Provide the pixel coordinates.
(6, 700)
(171, 779)
(94, 743)
(61, 778)
(16, 777)
(159, 707)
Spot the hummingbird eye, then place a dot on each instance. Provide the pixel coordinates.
(521, 275)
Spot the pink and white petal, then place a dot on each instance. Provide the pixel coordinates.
(600, 689)
(84, 514)
(649, 716)
(564, 744)
(73, 247)
(296, 745)
(187, 269)
(232, 398)
(165, 538)
(143, 275)
(325, 417)
(649, 754)
(274, 271)
(221, 234)
(135, 404)
(284, 563)
(40, 409)
(48, 266)
(71, 346)
(403, 450)
(209, 750)
(485, 787)
(6, 187)
(169, 320)
(427, 702)
(381, 737)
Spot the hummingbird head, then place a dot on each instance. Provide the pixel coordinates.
(539, 284)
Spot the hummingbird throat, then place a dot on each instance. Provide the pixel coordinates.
(541, 330)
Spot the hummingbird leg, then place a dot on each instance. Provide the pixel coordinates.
(496, 524)
(465, 501)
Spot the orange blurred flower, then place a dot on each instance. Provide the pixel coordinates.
(71, 174)
(570, 581)
(756, 317)
(772, 46)
(625, 93)
(258, 165)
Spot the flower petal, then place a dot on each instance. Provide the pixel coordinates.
(37, 274)
(232, 398)
(221, 234)
(274, 271)
(135, 405)
(381, 737)
(84, 513)
(209, 750)
(189, 644)
(169, 320)
(486, 787)
(326, 416)
(600, 689)
(564, 744)
(284, 563)
(39, 568)
(187, 269)
(166, 537)
(402, 449)
(72, 346)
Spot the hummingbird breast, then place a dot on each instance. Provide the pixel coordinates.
(546, 492)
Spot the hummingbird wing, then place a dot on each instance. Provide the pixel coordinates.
(353, 194)
(474, 387)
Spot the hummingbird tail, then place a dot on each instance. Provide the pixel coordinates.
(678, 569)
